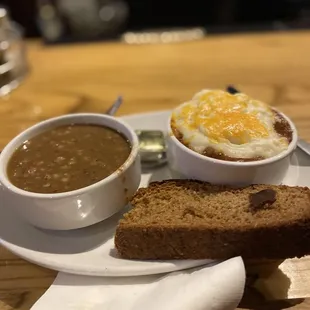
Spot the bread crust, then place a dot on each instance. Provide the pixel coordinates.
(162, 241)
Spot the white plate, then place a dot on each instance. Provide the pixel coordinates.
(90, 251)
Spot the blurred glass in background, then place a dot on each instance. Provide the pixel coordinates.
(13, 63)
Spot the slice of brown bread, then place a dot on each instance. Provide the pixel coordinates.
(186, 219)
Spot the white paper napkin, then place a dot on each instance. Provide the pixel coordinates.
(213, 287)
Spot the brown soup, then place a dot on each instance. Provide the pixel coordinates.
(67, 158)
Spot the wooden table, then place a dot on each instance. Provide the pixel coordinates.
(66, 79)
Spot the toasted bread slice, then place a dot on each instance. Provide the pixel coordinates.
(187, 219)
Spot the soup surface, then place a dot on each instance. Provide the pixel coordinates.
(67, 158)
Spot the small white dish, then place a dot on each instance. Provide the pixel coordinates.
(90, 250)
(188, 164)
(81, 207)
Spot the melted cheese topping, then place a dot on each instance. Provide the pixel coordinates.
(235, 125)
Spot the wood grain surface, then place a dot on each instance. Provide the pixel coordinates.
(65, 79)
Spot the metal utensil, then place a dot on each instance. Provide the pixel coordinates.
(115, 106)
(301, 144)
(304, 146)
(232, 90)
(152, 144)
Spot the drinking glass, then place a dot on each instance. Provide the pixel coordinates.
(13, 63)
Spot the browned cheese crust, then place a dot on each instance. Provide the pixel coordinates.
(281, 126)
(186, 219)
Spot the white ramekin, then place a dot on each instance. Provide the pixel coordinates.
(187, 164)
(78, 208)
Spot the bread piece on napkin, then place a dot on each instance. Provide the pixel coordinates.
(186, 219)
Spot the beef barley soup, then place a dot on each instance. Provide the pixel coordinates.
(67, 158)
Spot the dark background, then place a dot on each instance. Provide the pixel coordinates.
(216, 16)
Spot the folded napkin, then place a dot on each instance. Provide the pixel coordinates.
(212, 287)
